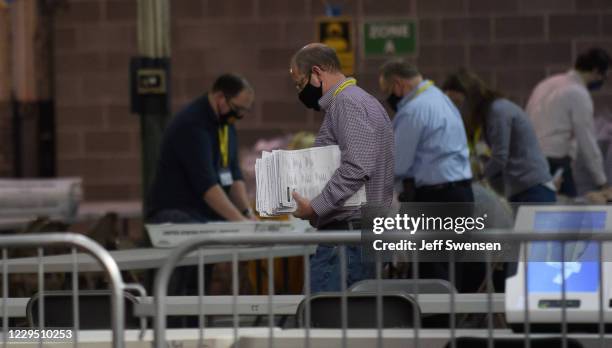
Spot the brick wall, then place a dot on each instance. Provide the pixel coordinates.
(511, 43)
(98, 138)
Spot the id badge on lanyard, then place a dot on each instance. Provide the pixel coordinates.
(225, 177)
(225, 174)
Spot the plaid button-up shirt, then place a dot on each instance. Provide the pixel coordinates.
(359, 125)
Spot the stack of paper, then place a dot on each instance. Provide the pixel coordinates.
(280, 172)
(56, 198)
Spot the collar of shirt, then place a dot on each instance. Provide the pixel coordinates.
(410, 96)
(575, 76)
(328, 97)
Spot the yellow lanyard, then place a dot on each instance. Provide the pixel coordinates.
(224, 145)
(475, 139)
(477, 135)
(349, 82)
(423, 88)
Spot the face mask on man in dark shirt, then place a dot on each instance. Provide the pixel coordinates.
(231, 116)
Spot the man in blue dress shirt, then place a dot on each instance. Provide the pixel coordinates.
(431, 157)
(431, 152)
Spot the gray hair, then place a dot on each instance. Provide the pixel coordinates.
(315, 54)
(398, 68)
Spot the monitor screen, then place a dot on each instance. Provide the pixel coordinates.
(547, 274)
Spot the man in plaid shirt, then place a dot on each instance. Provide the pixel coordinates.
(359, 125)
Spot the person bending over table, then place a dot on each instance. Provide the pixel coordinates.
(561, 110)
(198, 178)
(432, 161)
(516, 157)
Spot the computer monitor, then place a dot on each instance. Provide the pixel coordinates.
(544, 277)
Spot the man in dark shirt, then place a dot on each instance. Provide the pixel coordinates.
(198, 177)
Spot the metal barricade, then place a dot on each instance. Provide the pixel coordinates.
(74, 241)
(344, 238)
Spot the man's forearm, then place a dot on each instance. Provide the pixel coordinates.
(216, 198)
(238, 195)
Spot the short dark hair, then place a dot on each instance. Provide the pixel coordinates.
(594, 59)
(398, 68)
(316, 54)
(230, 85)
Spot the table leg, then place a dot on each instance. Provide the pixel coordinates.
(285, 263)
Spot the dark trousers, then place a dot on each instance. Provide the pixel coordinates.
(535, 194)
(568, 186)
(468, 275)
(458, 193)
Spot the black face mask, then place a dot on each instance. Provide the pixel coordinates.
(310, 95)
(393, 100)
(595, 85)
(229, 117)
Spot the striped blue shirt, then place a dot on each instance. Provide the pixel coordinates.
(430, 141)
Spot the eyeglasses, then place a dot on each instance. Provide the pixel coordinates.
(240, 110)
(302, 84)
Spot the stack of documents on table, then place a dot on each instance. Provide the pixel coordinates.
(170, 235)
(280, 172)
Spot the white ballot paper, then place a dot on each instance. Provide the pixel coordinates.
(280, 172)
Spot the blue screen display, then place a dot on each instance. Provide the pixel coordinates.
(559, 221)
(548, 274)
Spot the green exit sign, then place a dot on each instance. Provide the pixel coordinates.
(389, 37)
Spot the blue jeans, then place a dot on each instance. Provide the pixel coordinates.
(325, 268)
(535, 194)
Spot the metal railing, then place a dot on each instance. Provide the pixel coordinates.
(74, 241)
(344, 239)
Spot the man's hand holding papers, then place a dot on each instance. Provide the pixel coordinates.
(304, 209)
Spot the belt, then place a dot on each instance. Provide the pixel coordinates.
(342, 225)
(560, 161)
(446, 185)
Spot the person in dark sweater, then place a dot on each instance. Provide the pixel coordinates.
(516, 159)
(198, 177)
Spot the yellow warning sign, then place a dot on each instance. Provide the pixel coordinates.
(337, 33)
